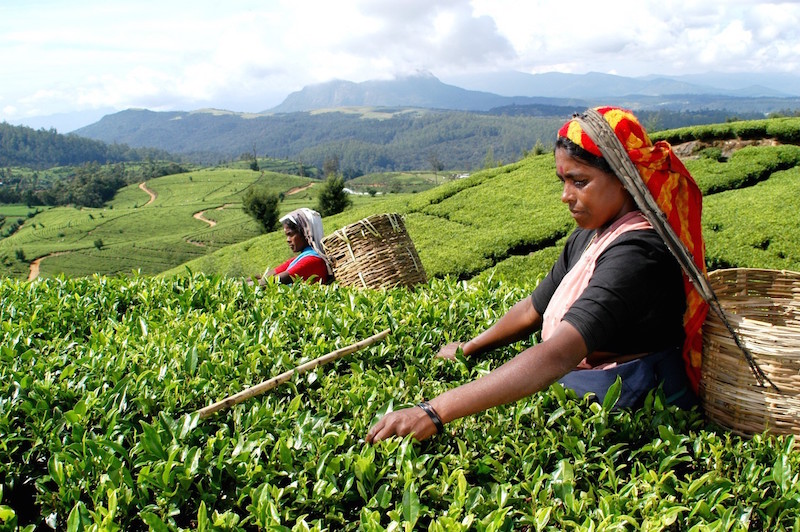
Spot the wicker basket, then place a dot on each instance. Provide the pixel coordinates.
(763, 307)
(375, 252)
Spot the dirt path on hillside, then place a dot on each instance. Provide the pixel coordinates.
(34, 272)
(295, 190)
(199, 216)
(149, 192)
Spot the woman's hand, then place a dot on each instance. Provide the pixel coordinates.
(412, 421)
(449, 350)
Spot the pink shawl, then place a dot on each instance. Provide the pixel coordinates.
(577, 279)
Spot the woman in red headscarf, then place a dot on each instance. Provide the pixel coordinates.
(615, 304)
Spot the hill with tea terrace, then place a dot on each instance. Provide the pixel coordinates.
(509, 221)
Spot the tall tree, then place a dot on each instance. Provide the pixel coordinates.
(262, 205)
(333, 198)
(436, 164)
(331, 166)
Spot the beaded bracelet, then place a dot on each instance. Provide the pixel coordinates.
(437, 421)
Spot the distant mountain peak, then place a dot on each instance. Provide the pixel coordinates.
(421, 89)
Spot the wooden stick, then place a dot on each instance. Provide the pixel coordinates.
(258, 389)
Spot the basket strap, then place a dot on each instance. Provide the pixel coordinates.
(614, 152)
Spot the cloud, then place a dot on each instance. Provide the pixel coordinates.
(647, 37)
(249, 55)
(417, 35)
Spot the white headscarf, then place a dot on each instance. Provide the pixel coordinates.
(309, 222)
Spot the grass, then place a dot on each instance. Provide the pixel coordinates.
(16, 209)
(150, 237)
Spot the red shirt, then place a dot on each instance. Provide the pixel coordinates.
(310, 267)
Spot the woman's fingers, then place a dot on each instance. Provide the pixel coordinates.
(401, 423)
(449, 350)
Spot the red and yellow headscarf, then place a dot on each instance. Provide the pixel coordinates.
(676, 194)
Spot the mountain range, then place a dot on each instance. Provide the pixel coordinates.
(516, 88)
(496, 89)
(385, 125)
(598, 85)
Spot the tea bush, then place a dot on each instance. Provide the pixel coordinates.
(101, 379)
(786, 130)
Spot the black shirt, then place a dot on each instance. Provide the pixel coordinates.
(634, 302)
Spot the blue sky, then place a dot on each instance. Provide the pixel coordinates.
(100, 56)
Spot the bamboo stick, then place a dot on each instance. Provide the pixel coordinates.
(258, 389)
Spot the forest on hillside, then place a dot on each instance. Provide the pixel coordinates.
(44, 167)
(366, 140)
(45, 148)
(86, 185)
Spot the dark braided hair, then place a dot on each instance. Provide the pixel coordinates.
(575, 151)
(292, 226)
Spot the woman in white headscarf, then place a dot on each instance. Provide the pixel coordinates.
(303, 230)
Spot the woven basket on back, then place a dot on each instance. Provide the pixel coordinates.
(763, 307)
(375, 252)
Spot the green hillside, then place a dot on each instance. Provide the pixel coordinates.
(505, 221)
(366, 140)
(25, 146)
(131, 233)
(508, 221)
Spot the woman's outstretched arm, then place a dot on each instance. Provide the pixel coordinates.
(518, 323)
(531, 371)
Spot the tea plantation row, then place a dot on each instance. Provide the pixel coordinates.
(101, 378)
(509, 221)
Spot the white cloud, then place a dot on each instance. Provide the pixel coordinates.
(248, 54)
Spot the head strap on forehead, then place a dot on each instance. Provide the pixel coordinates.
(624, 125)
(601, 133)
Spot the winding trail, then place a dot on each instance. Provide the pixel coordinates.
(211, 223)
(149, 192)
(34, 272)
(295, 190)
(199, 216)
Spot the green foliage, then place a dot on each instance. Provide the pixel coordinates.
(331, 166)
(149, 237)
(398, 182)
(786, 130)
(754, 227)
(366, 142)
(25, 146)
(102, 377)
(333, 198)
(262, 206)
(745, 167)
(714, 153)
(509, 221)
(87, 185)
(495, 222)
